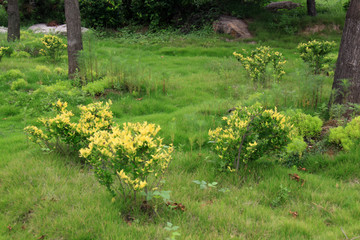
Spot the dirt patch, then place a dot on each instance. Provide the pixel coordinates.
(318, 28)
(326, 127)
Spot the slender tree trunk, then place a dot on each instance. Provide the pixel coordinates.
(13, 21)
(348, 63)
(73, 26)
(311, 8)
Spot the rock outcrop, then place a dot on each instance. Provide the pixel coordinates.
(232, 26)
(3, 29)
(43, 28)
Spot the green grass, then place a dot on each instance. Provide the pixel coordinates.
(185, 83)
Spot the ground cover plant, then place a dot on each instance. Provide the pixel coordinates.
(186, 84)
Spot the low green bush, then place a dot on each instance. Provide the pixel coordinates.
(347, 137)
(43, 69)
(306, 125)
(20, 54)
(11, 75)
(97, 87)
(19, 84)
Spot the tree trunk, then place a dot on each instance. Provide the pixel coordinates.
(348, 63)
(13, 21)
(73, 26)
(311, 8)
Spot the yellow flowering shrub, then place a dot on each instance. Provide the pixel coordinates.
(314, 53)
(125, 159)
(248, 134)
(63, 134)
(256, 62)
(3, 51)
(53, 46)
(128, 159)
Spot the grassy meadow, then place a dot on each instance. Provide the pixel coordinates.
(185, 84)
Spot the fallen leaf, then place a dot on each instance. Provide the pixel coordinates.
(129, 219)
(139, 99)
(302, 169)
(176, 206)
(9, 227)
(297, 178)
(42, 237)
(210, 202)
(294, 214)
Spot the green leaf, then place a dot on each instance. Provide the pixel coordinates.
(197, 182)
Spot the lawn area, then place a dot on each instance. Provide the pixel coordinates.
(186, 84)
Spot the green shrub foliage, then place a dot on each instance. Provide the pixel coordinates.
(11, 75)
(42, 11)
(19, 84)
(102, 13)
(347, 137)
(117, 13)
(306, 125)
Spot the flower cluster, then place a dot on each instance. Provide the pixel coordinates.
(131, 154)
(249, 133)
(53, 46)
(256, 62)
(134, 153)
(72, 135)
(314, 53)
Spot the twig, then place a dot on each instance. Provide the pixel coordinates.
(321, 207)
(242, 141)
(344, 233)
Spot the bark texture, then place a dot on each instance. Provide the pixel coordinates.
(13, 21)
(311, 8)
(348, 63)
(74, 37)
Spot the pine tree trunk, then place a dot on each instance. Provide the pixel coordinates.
(13, 21)
(311, 8)
(348, 63)
(74, 37)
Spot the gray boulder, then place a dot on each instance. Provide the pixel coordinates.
(43, 28)
(274, 6)
(3, 30)
(232, 26)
